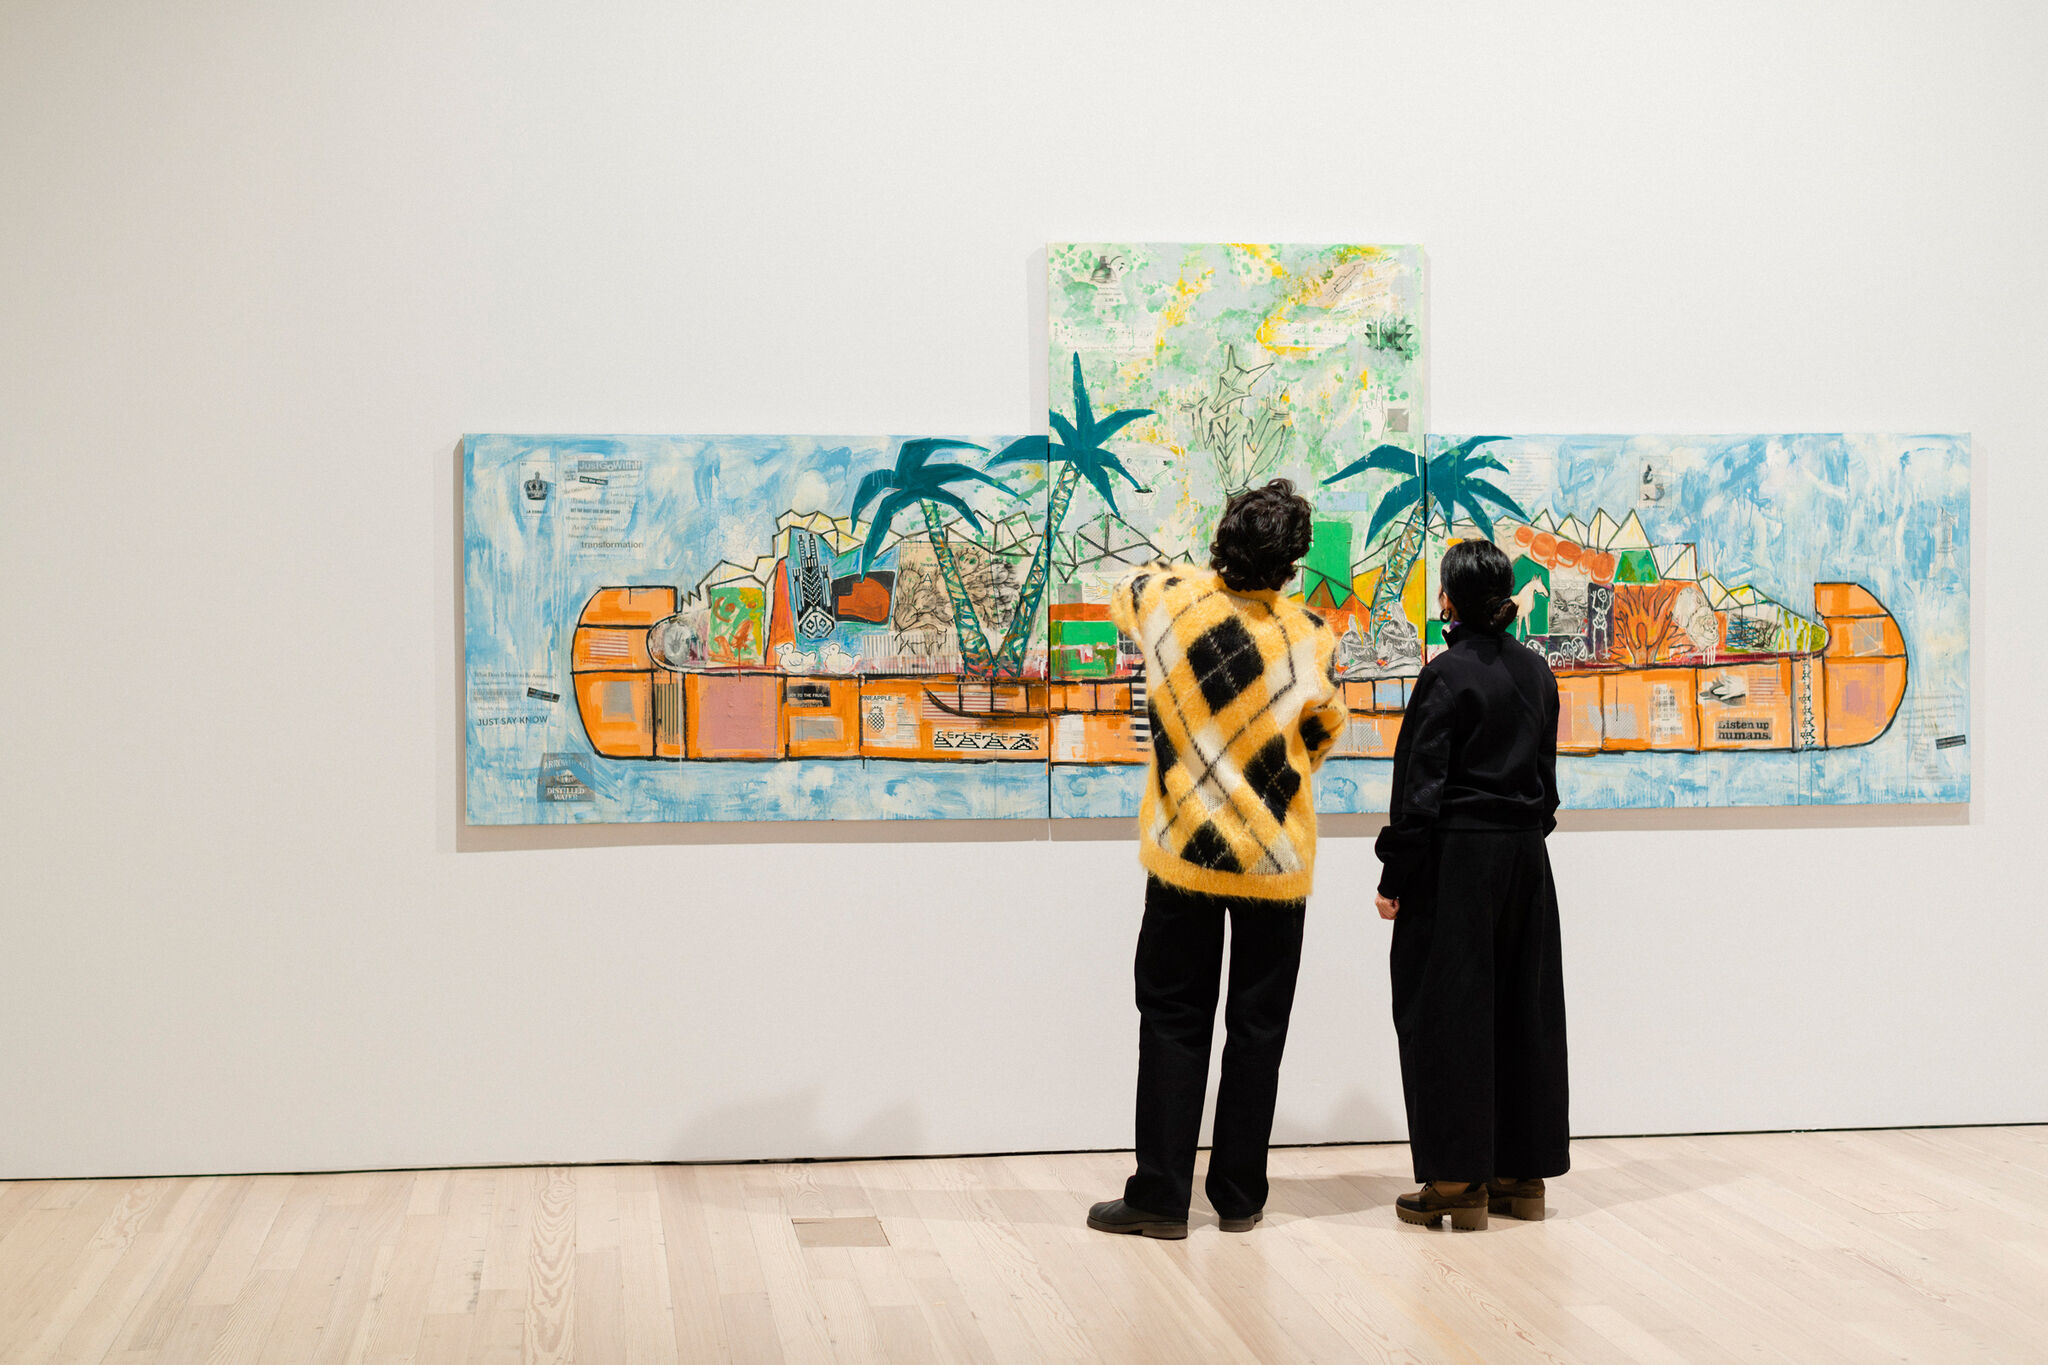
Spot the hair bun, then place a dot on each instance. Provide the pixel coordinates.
(1479, 581)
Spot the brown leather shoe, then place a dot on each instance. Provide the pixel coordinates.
(1428, 1205)
(1244, 1224)
(1114, 1215)
(1515, 1199)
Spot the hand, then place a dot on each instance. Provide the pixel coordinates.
(1388, 908)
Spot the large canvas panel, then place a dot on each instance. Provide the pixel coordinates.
(1735, 620)
(752, 628)
(1241, 362)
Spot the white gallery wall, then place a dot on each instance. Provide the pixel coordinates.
(262, 265)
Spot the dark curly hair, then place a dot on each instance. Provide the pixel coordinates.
(1480, 583)
(1262, 532)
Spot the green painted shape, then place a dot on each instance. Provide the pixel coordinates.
(1329, 555)
(1084, 632)
(1636, 566)
(1083, 649)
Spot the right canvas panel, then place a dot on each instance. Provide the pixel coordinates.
(1734, 620)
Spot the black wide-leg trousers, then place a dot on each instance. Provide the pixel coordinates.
(1178, 972)
(1479, 1008)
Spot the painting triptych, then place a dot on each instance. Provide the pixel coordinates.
(756, 627)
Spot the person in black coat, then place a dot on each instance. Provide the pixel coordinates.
(1478, 985)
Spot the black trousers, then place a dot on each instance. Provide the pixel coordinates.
(1479, 1007)
(1178, 970)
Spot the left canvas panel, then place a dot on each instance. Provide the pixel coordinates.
(675, 628)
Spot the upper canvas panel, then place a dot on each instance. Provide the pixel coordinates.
(1181, 373)
(1248, 361)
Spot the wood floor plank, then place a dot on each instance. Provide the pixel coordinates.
(429, 1192)
(497, 1333)
(706, 1245)
(45, 1303)
(241, 1242)
(1110, 1283)
(647, 1333)
(444, 1339)
(892, 1189)
(18, 1195)
(597, 1208)
(551, 1271)
(165, 1301)
(158, 1236)
(62, 1194)
(304, 1311)
(746, 1324)
(189, 1335)
(291, 1232)
(508, 1250)
(1379, 1285)
(249, 1318)
(800, 1324)
(466, 1238)
(600, 1313)
(1692, 1247)
(360, 1292)
(1006, 1287)
(406, 1280)
(1923, 1245)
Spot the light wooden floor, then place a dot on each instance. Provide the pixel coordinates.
(1918, 1245)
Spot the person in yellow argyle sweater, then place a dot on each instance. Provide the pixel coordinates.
(1242, 707)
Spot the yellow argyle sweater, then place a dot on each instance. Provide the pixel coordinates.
(1242, 709)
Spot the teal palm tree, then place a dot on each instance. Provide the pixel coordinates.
(1433, 490)
(1081, 455)
(915, 481)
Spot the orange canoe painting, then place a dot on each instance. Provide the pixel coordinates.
(1732, 620)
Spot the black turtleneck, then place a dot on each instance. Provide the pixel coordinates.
(1478, 749)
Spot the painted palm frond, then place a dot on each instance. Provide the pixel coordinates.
(915, 482)
(1455, 486)
(1409, 495)
(1396, 502)
(1394, 459)
(915, 453)
(1081, 454)
(1080, 448)
(1439, 488)
(1481, 499)
(878, 530)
